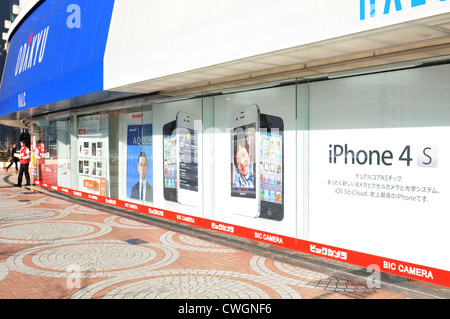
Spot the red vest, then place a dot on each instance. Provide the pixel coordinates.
(39, 153)
(24, 155)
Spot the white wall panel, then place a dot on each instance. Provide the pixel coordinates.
(151, 39)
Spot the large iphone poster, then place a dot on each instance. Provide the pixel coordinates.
(178, 160)
(255, 181)
(379, 179)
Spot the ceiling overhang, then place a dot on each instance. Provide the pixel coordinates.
(423, 39)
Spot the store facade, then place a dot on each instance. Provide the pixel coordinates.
(321, 146)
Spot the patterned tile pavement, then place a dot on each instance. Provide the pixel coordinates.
(53, 247)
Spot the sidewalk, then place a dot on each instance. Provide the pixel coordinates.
(53, 247)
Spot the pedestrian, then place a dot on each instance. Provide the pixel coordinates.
(24, 157)
(12, 159)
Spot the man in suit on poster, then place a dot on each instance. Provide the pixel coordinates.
(142, 190)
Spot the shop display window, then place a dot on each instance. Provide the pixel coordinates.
(50, 151)
(90, 150)
(255, 168)
(296, 160)
(132, 134)
(178, 156)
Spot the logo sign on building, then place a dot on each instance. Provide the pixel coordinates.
(31, 52)
(56, 54)
(384, 7)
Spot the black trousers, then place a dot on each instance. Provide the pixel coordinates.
(23, 169)
(10, 164)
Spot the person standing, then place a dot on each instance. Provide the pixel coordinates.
(12, 158)
(24, 157)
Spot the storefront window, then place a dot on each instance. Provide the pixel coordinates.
(304, 161)
(50, 146)
(131, 154)
(90, 153)
(178, 157)
(255, 159)
(378, 163)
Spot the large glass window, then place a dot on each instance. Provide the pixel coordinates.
(131, 152)
(178, 156)
(114, 151)
(379, 159)
(50, 146)
(90, 152)
(336, 162)
(255, 171)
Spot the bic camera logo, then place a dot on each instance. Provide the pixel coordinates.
(387, 6)
(33, 51)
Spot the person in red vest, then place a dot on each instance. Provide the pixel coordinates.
(24, 158)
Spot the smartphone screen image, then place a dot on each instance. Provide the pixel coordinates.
(170, 162)
(243, 164)
(271, 168)
(188, 157)
(244, 126)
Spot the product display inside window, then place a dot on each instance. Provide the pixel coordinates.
(279, 164)
(379, 144)
(135, 153)
(257, 144)
(50, 151)
(178, 156)
(92, 151)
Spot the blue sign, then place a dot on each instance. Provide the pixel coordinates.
(387, 6)
(56, 54)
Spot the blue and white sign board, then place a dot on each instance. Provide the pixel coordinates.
(56, 54)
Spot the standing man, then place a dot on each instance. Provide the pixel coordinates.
(24, 157)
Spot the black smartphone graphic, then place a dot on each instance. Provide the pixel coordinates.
(188, 160)
(170, 161)
(271, 167)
